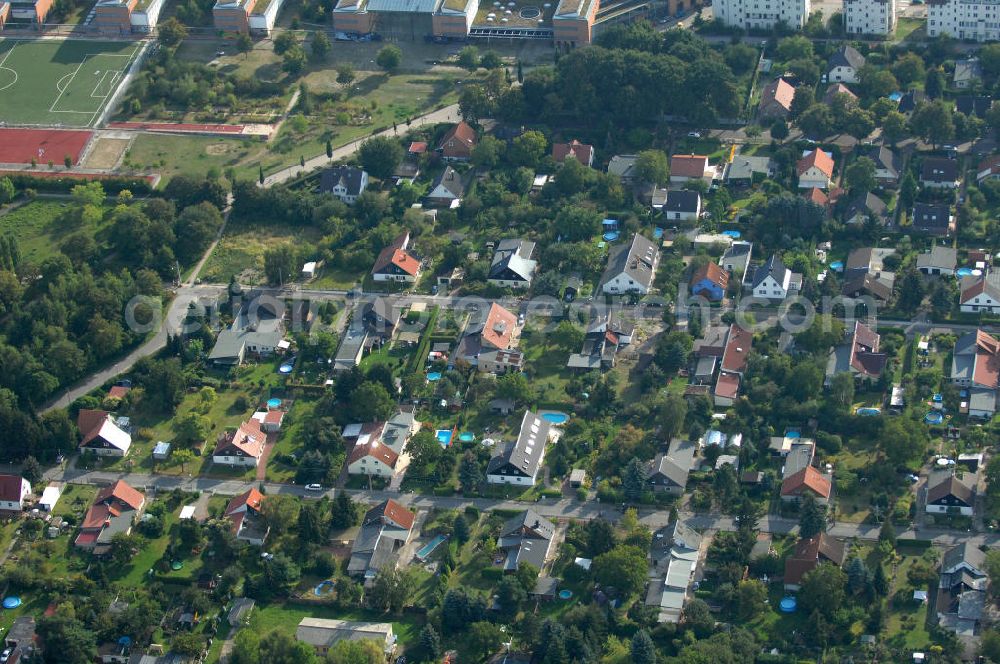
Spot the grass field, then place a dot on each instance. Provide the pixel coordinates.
(59, 82)
(39, 228)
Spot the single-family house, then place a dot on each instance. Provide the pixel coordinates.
(370, 457)
(962, 589)
(526, 538)
(324, 633)
(115, 510)
(269, 420)
(631, 267)
(622, 166)
(242, 447)
(381, 317)
(774, 281)
(807, 480)
(458, 143)
(742, 170)
(938, 260)
(344, 182)
(864, 274)
(685, 167)
(932, 219)
(582, 152)
(500, 362)
(396, 263)
(732, 365)
(244, 513)
(867, 207)
(497, 331)
(447, 189)
(844, 66)
(257, 329)
(967, 72)
(512, 265)
(682, 205)
(888, 166)
(950, 494)
(975, 366)
(988, 169)
(835, 89)
(815, 169)
(980, 293)
(385, 529)
(676, 553)
(940, 173)
(908, 102)
(776, 99)
(13, 490)
(519, 462)
(710, 281)
(101, 435)
(808, 555)
(669, 472)
(859, 355)
(601, 344)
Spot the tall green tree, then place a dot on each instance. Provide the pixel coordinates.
(812, 517)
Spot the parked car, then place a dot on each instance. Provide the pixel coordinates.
(314, 487)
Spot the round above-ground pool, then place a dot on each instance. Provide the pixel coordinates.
(434, 375)
(285, 368)
(867, 411)
(788, 604)
(565, 594)
(610, 236)
(11, 602)
(977, 272)
(934, 417)
(963, 272)
(555, 418)
(273, 403)
(324, 588)
(837, 266)
(444, 436)
(736, 235)
(176, 565)
(466, 436)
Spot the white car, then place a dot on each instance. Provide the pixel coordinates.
(5, 655)
(694, 134)
(314, 487)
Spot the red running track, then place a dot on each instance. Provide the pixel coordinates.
(179, 127)
(78, 176)
(20, 146)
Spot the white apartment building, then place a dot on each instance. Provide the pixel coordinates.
(978, 20)
(762, 14)
(870, 17)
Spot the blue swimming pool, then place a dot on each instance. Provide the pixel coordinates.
(428, 549)
(657, 232)
(963, 272)
(433, 376)
(444, 436)
(736, 235)
(555, 418)
(273, 403)
(793, 434)
(11, 602)
(466, 436)
(934, 417)
(610, 236)
(285, 368)
(867, 411)
(324, 588)
(565, 594)
(837, 266)
(788, 604)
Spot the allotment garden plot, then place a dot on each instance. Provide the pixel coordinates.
(60, 82)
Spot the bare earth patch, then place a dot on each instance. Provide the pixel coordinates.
(106, 153)
(217, 149)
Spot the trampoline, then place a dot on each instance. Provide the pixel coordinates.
(555, 418)
(733, 234)
(466, 436)
(433, 376)
(963, 272)
(788, 604)
(11, 602)
(530, 12)
(837, 266)
(273, 403)
(324, 588)
(934, 417)
(444, 436)
(565, 594)
(610, 236)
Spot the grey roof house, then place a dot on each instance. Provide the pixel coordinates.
(384, 530)
(867, 207)
(742, 169)
(962, 589)
(512, 266)
(344, 182)
(526, 538)
(631, 267)
(622, 166)
(255, 329)
(669, 472)
(939, 260)
(518, 462)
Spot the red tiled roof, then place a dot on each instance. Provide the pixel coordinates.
(89, 423)
(121, 492)
(498, 330)
(458, 141)
(117, 392)
(253, 499)
(274, 416)
(727, 385)
(817, 196)
(10, 488)
(779, 91)
(395, 254)
(817, 158)
(734, 357)
(986, 370)
(248, 439)
(690, 165)
(417, 147)
(582, 152)
(807, 478)
(376, 450)
(398, 513)
(713, 273)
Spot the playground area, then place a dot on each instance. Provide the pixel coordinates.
(60, 83)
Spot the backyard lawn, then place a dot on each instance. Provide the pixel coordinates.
(39, 228)
(241, 251)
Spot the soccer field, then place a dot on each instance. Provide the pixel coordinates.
(60, 82)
